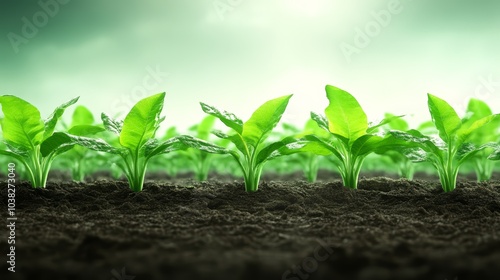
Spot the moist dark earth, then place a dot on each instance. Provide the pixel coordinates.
(289, 229)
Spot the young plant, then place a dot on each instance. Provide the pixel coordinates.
(406, 168)
(136, 142)
(200, 160)
(448, 152)
(352, 138)
(79, 159)
(251, 153)
(476, 110)
(309, 162)
(25, 132)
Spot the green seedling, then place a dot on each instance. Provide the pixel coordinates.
(251, 153)
(351, 137)
(448, 152)
(488, 133)
(25, 133)
(136, 139)
(201, 161)
(81, 160)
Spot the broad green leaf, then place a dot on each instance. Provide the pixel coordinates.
(424, 142)
(264, 119)
(469, 127)
(142, 121)
(320, 147)
(468, 150)
(345, 116)
(22, 124)
(266, 152)
(82, 116)
(365, 145)
(444, 117)
(205, 127)
(229, 119)
(60, 140)
(112, 125)
(51, 121)
(85, 130)
(417, 155)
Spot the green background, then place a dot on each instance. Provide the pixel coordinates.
(254, 50)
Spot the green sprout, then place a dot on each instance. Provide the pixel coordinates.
(251, 152)
(448, 152)
(25, 133)
(136, 139)
(351, 138)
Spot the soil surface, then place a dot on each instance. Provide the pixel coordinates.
(181, 229)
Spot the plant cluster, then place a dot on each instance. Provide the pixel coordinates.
(342, 135)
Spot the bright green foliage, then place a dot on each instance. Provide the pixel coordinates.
(251, 152)
(25, 133)
(136, 142)
(448, 152)
(308, 161)
(488, 133)
(200, 160)
(80, 160)
(406, 168)
(351, 137)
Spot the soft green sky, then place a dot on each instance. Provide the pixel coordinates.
(105, 52)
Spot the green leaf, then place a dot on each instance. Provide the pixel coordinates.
(142, 121)
(82, 116)
(477, 109)
(388, 120)
(202, 145)
(229, 119)
(345, 116)
(417, 155)
(51, 121)
(444, 117)
(112, 125)
(85, 130)
(12, 154)
(321, 121)
(469, 127)
(319, 146)
(266, 152)
(365, 145)
(22, 124)
(236, 139)
(495, 155)
(61, 140)
(423, 142)
(301, 146)
(181, 142)
(468, 150)
(264, 119)
(397, 123)
(205, 127)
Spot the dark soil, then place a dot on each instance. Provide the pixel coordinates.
(180, 229)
